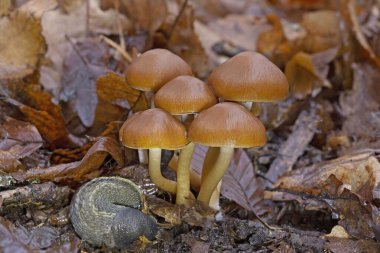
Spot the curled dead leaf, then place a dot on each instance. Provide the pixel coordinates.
(18, 140)
(21, 44)
(77, 170)
(307, 73)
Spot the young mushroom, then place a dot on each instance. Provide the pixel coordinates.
(154, 129)
(249, 77)
(151, 71)
(185, 95)
(227, 126)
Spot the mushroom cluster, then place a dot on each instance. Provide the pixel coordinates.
(189, 111)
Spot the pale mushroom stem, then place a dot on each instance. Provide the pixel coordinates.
(211, 156)
(155, 172)
(254, 107)
(183, 175)
(143, 156)
(216, 174)
(195, 179)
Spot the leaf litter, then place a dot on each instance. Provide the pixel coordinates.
(64, 96)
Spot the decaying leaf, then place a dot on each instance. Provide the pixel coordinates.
(18, 239)
(360, 107)
(77, 170)
(347, 185)
(322, 31)
(46, 116)
(81, 69)
(18, 140)
(349, 13)
(240, 183)
(4, 7)
(185, 42)
(113, 91)
(21, 44)
(308, 73)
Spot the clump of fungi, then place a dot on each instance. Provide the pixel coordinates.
(188, 113)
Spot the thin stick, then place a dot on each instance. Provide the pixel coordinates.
(181, 11)
(118, 48)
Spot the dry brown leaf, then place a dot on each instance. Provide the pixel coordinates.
(185, 42)
(38, 7)
(339, 245)
(113, 90)
(349, 14)
(4, 7)
(21, 44)
(322, 31)
(19, 139)
(307, 74)
(145, 15)
(77, 170)
(281, 41)
(347, 185)
(240, 183)
(57, 26)
(240, 30)
(360, 107)
(44, 114)
(80, 70)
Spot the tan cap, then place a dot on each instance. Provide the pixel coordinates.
(249, 76)
(154, 68)
(185, 95)
(153, 128)
(227, 124)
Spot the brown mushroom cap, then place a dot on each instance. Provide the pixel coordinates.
(153, 128)
(227, 124)
(185, 95)
(249, 76)
(154, 68)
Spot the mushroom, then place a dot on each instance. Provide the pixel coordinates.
(154, 129)
(227, 126)
(107, 211)
(151, 71)
(249, 77)
(154, 68)
(185, 95)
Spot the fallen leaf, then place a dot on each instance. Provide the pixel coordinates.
(184, 42)
(360, 107)
(38, 7)
(338, 245)
(4, 7)
(75, 171)
(347, 185)
(58, 25)
(21, 44)
(46, 115)
(322, 31)
(307, 73)
(113, 91)
(19, 139)
(81, 69)
(348, 11)
(240, 183)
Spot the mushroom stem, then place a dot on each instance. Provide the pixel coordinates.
(254, 107)
(155, 172)
(210, 159)
(183, 175)
(216, 174)
(143, 156)
(195, 179)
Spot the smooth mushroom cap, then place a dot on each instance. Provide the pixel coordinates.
(154, 68)
(227, 124)
(153, 128)
(185, 95)
(249, 76)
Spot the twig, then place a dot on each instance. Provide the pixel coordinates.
(84, 60)
(181, 11)
(121, 50)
